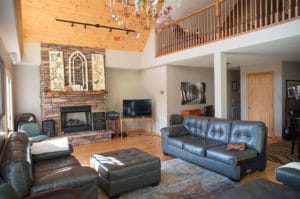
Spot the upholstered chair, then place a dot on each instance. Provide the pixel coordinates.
(33, 131)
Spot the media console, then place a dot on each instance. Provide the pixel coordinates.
(136, 119)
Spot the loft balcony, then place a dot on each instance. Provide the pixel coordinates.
(221, 20)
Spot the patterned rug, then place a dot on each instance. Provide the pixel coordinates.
(281, 152)
(180, 179)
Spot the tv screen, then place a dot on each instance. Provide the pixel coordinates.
(137, 108)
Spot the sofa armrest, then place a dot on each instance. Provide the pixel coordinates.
(71, 178)
(174, 131)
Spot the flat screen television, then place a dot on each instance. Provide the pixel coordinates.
(137, 108)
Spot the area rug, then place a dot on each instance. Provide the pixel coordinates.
(180, 179)
(281, 152)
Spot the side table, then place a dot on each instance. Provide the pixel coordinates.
(114, 125)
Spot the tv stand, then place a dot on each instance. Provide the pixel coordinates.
(134, 119)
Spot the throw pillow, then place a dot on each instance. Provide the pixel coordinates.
(240, 146)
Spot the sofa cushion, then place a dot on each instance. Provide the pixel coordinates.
(61, 172)
(252, 133)
(219, 130)
(16, 163)
(53, 155)
(198, 146)
(219, 153)
(194, 145)
(176, 141)
(174, 130)
(196, 125)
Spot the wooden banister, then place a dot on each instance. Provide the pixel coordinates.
(222, 19)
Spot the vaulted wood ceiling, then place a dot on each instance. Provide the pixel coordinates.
(40, 25)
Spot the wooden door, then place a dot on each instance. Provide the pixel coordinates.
(261, 99)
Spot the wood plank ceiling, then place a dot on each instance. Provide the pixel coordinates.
(40, 25)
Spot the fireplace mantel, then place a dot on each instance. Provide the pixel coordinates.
(70, 93)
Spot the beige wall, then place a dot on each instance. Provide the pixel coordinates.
(27, 90)
(154, 84)
(178, 74)
(122, 84)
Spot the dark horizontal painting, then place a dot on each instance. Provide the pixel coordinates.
(193, 93)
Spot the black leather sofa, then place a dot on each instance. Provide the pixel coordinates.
(28, 177)
(203, 141)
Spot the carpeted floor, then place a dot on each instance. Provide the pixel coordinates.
(180, 179)
(281, 152)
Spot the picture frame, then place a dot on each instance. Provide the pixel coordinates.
(2, 109)
(193, 93)
(290, 84)
(234, 86)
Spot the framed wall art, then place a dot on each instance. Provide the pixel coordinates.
(292, 86)
(98, 75)
(234, 86)
(193, 93)
(56, 66)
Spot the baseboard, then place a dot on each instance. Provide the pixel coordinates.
(146, 132)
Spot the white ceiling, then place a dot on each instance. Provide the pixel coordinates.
(281, 50)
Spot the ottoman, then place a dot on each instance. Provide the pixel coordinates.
(125, 170)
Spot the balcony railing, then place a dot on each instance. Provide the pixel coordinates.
(223, 19)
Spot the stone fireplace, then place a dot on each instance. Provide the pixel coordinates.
(72, 111)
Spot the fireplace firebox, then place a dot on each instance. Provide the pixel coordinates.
(76, 119)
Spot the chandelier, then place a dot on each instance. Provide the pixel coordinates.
(133, 14)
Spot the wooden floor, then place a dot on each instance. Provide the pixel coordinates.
(152, 145)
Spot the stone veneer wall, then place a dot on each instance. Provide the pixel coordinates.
(51, 102)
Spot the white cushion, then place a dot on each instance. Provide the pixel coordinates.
(52, 145)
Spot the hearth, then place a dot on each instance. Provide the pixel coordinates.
(76, 119)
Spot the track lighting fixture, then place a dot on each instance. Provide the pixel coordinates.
(95, 25)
